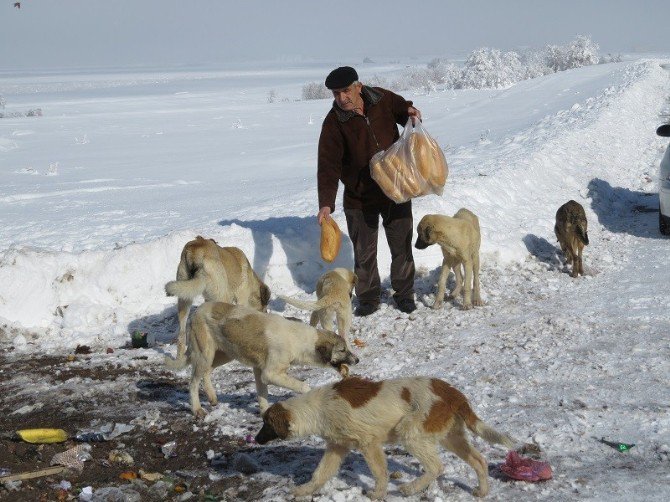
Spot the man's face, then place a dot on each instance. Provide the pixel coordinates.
(348, 98)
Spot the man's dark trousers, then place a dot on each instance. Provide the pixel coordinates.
(363, 228)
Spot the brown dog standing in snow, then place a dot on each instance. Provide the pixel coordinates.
(571, 231)
(419, 413)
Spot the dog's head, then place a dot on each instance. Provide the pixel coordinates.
(276, 424)
(333, 350)
(425, 233)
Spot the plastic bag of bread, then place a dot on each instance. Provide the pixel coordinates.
(331, 239)
(411, 167)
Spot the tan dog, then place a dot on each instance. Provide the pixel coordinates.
(333, 293)
(418, 413)
(460, 238)
(571, 230)
(220, 332)
(218, 274)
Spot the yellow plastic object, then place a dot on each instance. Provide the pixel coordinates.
(42, 435)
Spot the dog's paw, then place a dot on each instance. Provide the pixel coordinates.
(437, 305)
(480, 492)
(376, 494)
(466, 306)
(302, 490)
(478, 303)
(200, 413)
(407, 489)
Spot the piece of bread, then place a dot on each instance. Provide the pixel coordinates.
(331, 239)
(429, 160)
(381, 174)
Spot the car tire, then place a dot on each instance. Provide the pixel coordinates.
(663, 223)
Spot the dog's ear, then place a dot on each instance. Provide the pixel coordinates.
(354, 279)
(279, 418)
(325, 351)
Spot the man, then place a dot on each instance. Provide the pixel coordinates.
(362, 122)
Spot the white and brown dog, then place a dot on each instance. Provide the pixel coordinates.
(418, 413)
(459, 238)
(219, 274)
(220, 332)
(333, 293)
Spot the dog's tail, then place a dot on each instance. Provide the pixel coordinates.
(481, 429)
(581, 232)
(307, 305)
(176, 364)
(186, 289)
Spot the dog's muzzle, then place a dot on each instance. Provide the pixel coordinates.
(420, 243)
(266, 434)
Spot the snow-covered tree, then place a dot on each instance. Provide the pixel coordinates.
(486, 68)
(315, 90)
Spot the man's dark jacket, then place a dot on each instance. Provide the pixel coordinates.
(347, 143)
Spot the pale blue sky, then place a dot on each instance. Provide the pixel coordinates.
(66, 33)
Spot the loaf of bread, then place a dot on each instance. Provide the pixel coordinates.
(331, 239)
(396, 177)
(429, 160)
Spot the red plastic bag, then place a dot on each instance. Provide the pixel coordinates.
(525, 469)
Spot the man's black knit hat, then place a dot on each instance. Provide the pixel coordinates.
(341, 77)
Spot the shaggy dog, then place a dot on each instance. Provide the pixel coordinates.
(459, 238)
(220, 332)
(419, 413)
(571, 231)
(219, 275)
(333, 293)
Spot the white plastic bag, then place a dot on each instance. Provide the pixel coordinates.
(411, 167)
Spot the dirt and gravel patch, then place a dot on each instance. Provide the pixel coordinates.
(84, 391)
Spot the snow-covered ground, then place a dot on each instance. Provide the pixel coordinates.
(99, 194)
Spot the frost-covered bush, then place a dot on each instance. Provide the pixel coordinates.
(582, 51)
(610, 58)
(315, 90)
(487, 68)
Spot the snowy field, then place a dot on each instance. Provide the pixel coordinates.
(99, 194)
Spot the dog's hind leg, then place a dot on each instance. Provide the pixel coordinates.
(197, 374)
(314, 318)
(261, 391)
(426, 453)
(344, 325)
(376, 460)
(476, 293)
(327, 468)
(458, 281)
(183, 306)
(458, 443)
(441, 284)
(467, 285)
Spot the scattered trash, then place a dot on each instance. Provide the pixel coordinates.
(525, 469)
(142, 340)
(110, 350)
(103, 433)
(5, 472)
(82, 349)
(359, 343)
(86, 494)
(27, 409)
(396, 475)
(128, 475)
(65, 485)
(249, 438)
(168, 449)
(150, 476)
(73, 458)
(114, 493)
(42, 435)
(120, 457)
(616, 445)
(180, 487)
(71, 358)
(10, 478)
